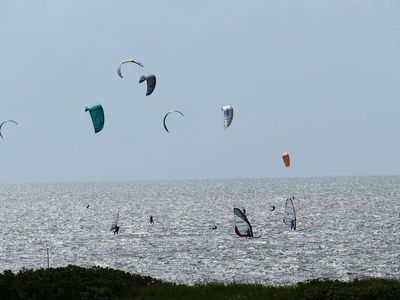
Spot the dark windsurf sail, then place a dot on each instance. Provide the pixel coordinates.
(289, 217)
(114, 225)
(242, 225)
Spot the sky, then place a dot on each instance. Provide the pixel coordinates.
(317, 79)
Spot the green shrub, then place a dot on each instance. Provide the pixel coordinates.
(73, 282)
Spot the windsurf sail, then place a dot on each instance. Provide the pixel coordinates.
(114, 224)
(289, 217)
(242, 225)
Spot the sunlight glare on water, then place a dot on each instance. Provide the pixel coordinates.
(347, 227)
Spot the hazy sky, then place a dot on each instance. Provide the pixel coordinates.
(318, 79)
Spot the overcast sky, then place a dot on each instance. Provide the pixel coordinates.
(317, 79)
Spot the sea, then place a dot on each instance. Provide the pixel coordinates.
(347, 227)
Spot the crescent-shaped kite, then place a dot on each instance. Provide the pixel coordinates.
(125, 62)
(12, 121)
(165, 117)
(151, 82)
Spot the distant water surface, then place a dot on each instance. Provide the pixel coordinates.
(347, 227)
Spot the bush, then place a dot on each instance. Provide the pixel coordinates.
(73, 282)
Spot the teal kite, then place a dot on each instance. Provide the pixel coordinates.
(97, 115)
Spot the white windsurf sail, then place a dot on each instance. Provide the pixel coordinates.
(289, 217)
(114, 224)
(242, 225)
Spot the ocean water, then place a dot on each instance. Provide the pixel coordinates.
(347, 227)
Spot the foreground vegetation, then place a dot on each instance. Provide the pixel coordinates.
(75, 282)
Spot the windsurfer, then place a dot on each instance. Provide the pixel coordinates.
(292, 225)
(116, 230)
(248, 233)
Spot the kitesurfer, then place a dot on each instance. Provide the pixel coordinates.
(151, 220)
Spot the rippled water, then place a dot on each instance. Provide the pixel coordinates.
(347, 227)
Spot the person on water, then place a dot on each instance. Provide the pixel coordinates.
(244, 211)
(248, 233)
(272, 207)
(214, 227)
(151, 220)
(116, 230)
(292, 225)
